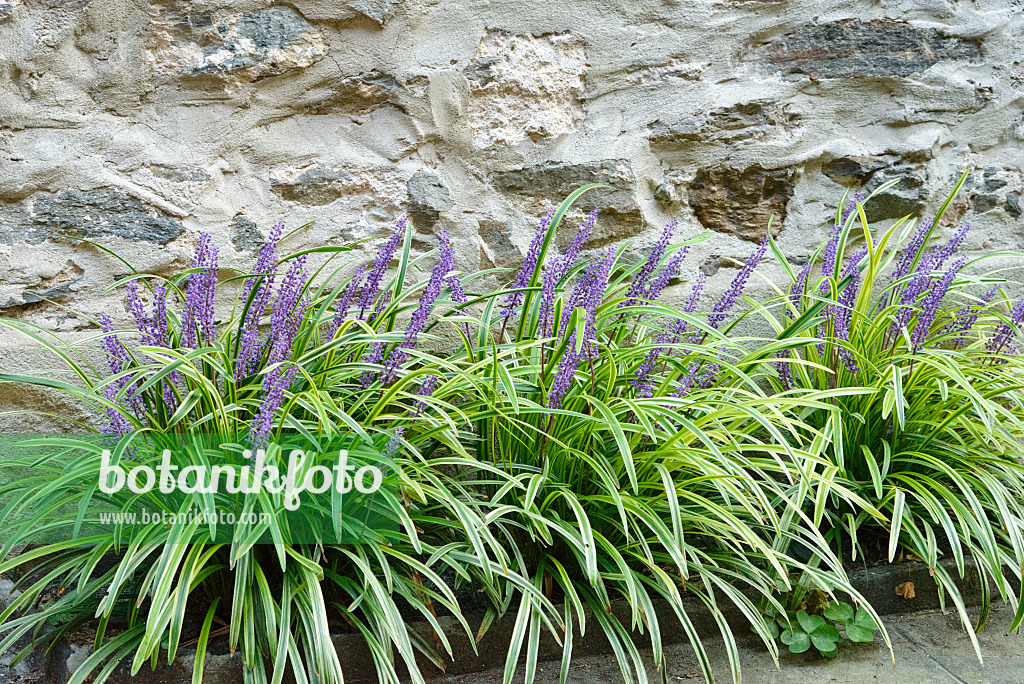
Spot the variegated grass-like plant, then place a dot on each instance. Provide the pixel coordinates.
(916, 354)
(642, 454)
(303, 355)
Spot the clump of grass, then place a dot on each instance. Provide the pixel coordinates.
(914, 352)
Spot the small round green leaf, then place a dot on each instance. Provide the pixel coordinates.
(859, 634)
(865, 620)
(824, 642)
(809, 622)
(827, 631)
(839, 611)
(797, 640)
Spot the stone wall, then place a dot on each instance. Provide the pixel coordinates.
(138, 124)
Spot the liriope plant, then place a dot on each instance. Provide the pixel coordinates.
(305, 356)
(924, 450)
(643, 453)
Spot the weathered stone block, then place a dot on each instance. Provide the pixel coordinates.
(870, 171)
(41, 287)
(851, 47)
(317, 185)
(737, 123)
(428, 197)
(94, 214)
(525, 87)
(498, 248)
(360, 93)
(239, 48)
(993, 188)
(549, 183)
(1012, 205)
(246, 238)
(342, 10)
(741, 201)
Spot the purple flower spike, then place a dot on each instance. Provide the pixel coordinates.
(946, 252)
(394, 443)
(427, 387)
(572, 252)
(638, 289)
(932, 302)
(154, 330)
(965, 317)
(910, 251)
(158, 322)
(796, 290)
(557, 269)
(117, 356)
(344, 303)
(695, 379)
(445, 264)
(564, 373)
(119, 424)
(514, 299)
(455, 285)
(288, 311)
(642, 383)
(385, 254)
(375, 356)
(739, 282)
(851, 206)
(589, 293)
(251, 346)
(197, 322)
(138, 310)
(662, 279)
(785, 372)
(1004, 335)
(119, 360)
(841, 314)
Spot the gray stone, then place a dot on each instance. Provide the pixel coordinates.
(992, 181)
(244, 235)
(869, 172)
(480, 70)
(711, 265)
(551, 182)
(904, 198)
(667, 194)
(499, 250)
(737, 123)
(741, 201)
(316, 186)
(95, 214)
(6, 8)
(1012, 205)
(379, 11)
(247, 47)
(56, 286)
(984, 202)
(360, 93)
(428, 197)
(856, 170)
(850, 47)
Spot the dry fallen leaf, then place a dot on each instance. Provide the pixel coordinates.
(905, 589)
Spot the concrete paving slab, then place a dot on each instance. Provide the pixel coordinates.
(929, 648)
